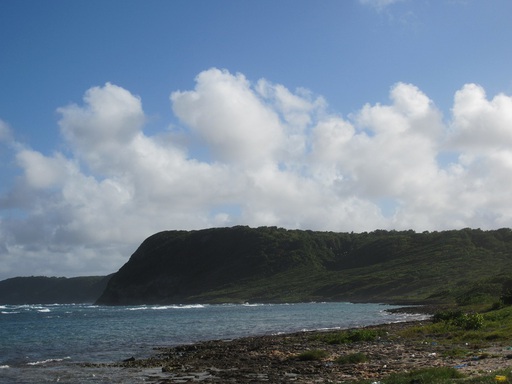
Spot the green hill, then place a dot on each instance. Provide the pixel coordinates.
(270, 264)
(50, 290)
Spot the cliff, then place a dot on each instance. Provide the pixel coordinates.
(50, 290)
(269, 264)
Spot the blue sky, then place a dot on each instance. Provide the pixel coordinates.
(119, 119)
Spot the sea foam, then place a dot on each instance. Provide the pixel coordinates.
(49, 361)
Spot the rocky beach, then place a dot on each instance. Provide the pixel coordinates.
(311, 357)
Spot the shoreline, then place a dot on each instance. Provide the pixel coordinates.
(276, 358)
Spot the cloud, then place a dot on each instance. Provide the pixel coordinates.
(481, 125)
(269, 156)
(42, 172)
(111, 119)
(227, 114)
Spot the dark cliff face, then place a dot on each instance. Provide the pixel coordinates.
(275, 265)
(174, 266)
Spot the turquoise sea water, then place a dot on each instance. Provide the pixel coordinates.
(44, 343)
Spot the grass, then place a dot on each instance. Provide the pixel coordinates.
(444, 375)
(456, 352)
(352, 358)
(458, 334)
(350, 336)
(493, 326)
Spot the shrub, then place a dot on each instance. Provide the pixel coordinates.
(470, 321)
(314, 354)
(465, 321)
(497, 305)
(363, 335)
(446, 316)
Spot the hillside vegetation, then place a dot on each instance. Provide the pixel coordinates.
(270, 264)
(50, 290)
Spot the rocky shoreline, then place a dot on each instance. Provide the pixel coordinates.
(281, 358)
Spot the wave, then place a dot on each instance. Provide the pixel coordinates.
(27, 307)
(4, 366)
(161, 307)
(9, 313)
(189, 306)
(44, 310)
(49, 361)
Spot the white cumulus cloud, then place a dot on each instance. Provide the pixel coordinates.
(272, 156)
(227, 114)
(480, 124)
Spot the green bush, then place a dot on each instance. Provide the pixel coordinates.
(446, 316)
(470, 321)
(465, 321)
(314, 354)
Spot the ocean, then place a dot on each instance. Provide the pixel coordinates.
(46, 343)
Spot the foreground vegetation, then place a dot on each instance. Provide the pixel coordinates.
(443, 375)
(457, 333)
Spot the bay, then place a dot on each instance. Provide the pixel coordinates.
(44, 343)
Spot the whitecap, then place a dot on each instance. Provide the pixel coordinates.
(136, 308)
(49, 361)
(190, 306)
(43, 310)
(4, 366)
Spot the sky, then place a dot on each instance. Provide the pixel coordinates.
(120, 119)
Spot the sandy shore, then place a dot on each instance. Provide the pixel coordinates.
(274, 359)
